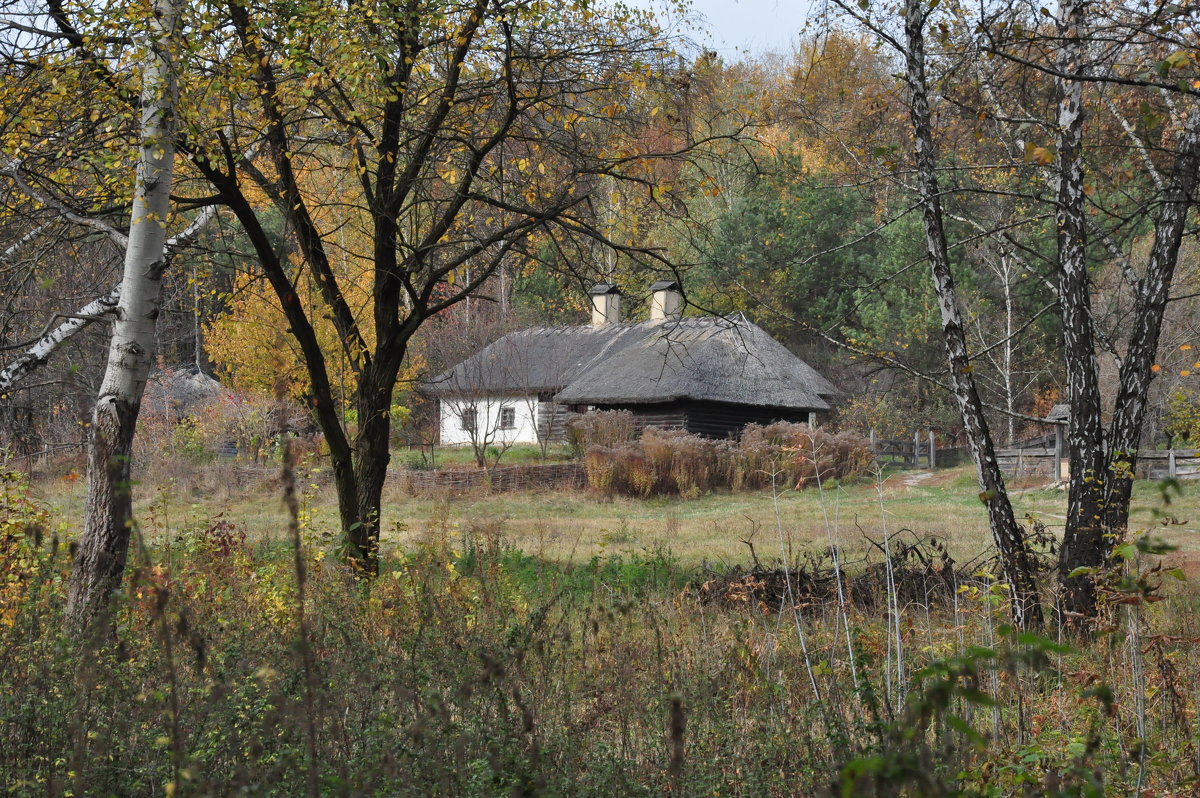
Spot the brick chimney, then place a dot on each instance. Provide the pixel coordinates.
(606, 304)
(666, 301)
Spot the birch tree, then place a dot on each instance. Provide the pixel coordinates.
(1149, 55)
(100, 558)
(1091, 59)
(1083, 541)
(1015, 558)
(1007, 534)
(37, 351)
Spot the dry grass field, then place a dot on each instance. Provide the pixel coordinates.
(555, 643)
(574, 526)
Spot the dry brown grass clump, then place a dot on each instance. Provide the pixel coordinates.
(601, 428)
(793, 455)
(674, 462)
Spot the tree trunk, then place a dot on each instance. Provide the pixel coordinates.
(40, 349)
(1008, 535)
(1154, 289)
(100, 559)
(1010, 396)
(372, 454)
(1085, 542)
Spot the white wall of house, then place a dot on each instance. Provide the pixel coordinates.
(489, 412)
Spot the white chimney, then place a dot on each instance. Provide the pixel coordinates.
(666, 301)
(606, 304)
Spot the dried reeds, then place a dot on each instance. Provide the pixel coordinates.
(664, 462)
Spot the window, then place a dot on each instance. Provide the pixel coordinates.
(466, 418)
(508, 418)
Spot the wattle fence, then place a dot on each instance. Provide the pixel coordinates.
(549, 476)
(537, 476)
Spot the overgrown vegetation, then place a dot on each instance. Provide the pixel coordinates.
(472, 668)
(675, 463)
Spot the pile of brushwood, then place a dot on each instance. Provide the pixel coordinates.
(915, 570)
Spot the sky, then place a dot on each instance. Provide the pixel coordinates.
(745, 26)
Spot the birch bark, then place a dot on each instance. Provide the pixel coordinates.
(40, 350)
(100, 558)
(1085, 543)
(1008, 535)
(1153, 290)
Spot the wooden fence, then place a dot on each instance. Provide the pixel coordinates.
(1040, 462)
(497, 480)
(1028, 462)
(919, 451)
(536, 476)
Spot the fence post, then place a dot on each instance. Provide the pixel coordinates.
(932, 452)
(1172, 469)
(917, 449)
(1058, 453)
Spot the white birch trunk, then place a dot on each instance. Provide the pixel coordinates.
(1010, 398)
(1085, 545)
(1137, 370)
(1015, 560)
(100, 559)
(41, 349)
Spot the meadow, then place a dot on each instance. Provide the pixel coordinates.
(563, 644)
(574, 526)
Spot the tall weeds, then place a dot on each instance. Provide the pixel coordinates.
(471, 668)
(673, 462)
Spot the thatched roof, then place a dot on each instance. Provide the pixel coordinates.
(703, 359)
(536, 360)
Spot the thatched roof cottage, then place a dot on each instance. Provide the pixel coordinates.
(709, 375)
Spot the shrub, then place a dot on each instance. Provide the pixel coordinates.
(606, 428)
(249, 428)
(412, 460)
(687, 464)
(796, 454)
(24, 524)
(1182, 420)
(619, 470)
(674, 462)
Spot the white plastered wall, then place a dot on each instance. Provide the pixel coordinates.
(487, 415)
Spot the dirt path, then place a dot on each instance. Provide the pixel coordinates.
(917, 477)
